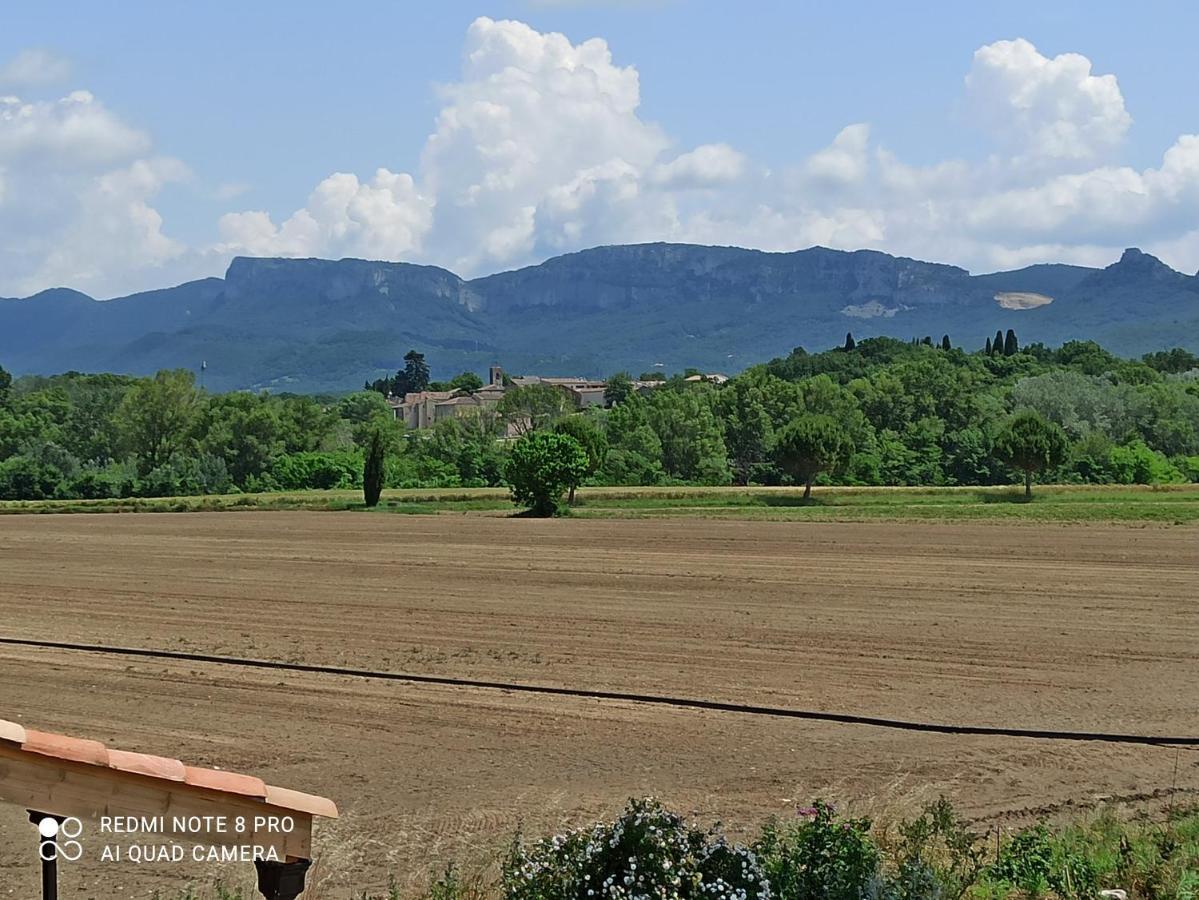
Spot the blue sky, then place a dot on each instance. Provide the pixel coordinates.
(217, 124)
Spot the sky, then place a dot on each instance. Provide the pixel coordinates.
(148, 142)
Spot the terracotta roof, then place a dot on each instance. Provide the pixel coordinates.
(94, 753)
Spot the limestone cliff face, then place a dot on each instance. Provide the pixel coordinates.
(669, 274)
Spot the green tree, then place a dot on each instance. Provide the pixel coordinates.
(1174, 361)
(416, 372)
(810, 445)
(741, 406)
(373, 467)
(987, 348)
(5, 386)
(244, 430)
(945, 345)
(533, 407)
(591, 438)
(634, 451)
(379, 438)
(156, 416)
(682, 416)
(997, 344)
(1031, 444)
(1010, 345)
(306, 425)
(359, 410)
(543, 466)
(466, 381)
(849, 341)
(1086, 356)
(618, 389)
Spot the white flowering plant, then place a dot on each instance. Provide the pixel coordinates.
(647, 853)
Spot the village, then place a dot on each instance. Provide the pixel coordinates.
(424, 409)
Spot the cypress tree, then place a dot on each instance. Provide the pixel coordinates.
(372, 470)
(849, 341)
(945, 342)
(1010, 345)
(997, 344)
(988, 347)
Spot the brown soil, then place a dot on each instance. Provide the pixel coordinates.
(1080, 627)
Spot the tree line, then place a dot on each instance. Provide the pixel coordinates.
(879, 411)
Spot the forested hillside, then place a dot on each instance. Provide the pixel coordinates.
(904, 413)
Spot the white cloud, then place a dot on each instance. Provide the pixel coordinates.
(75, 132)
(34, 67)
(709, 165)
(384, 218)
(113, 228)
(533, 117)
(844, 162)
(540, 148)
(76, 191)
(1048, 108)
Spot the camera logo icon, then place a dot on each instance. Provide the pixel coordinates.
(53, 832)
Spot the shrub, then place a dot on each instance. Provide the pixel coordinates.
(185, 476)
(1136, 463)
(315, 470)
(646, 852)
(1189, 466)
(89, 484)
(820, 857)
(936, 856)
(1035, 863)
(23, 478)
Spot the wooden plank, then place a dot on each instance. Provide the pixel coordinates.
(90, 793)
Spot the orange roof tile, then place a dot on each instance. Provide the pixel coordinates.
(63, 747)
(229, 782)
(11, 732)
(317, 806)
(143, 764)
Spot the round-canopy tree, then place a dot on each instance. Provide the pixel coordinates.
(1032, 444)
(591, 438)
(542, 467)
(810, 445)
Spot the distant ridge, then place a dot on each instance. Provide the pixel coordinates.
(323, 325)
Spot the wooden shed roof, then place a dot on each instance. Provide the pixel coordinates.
(172, 772)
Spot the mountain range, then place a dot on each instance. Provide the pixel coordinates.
(323, 325)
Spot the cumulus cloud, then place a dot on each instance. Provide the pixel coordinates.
(76, 192)
(74, 132)
(710, 165)
(534, 118)
(113, 228)
(540, 147)
(384, 218)
(1041, 107)
(842, 163)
